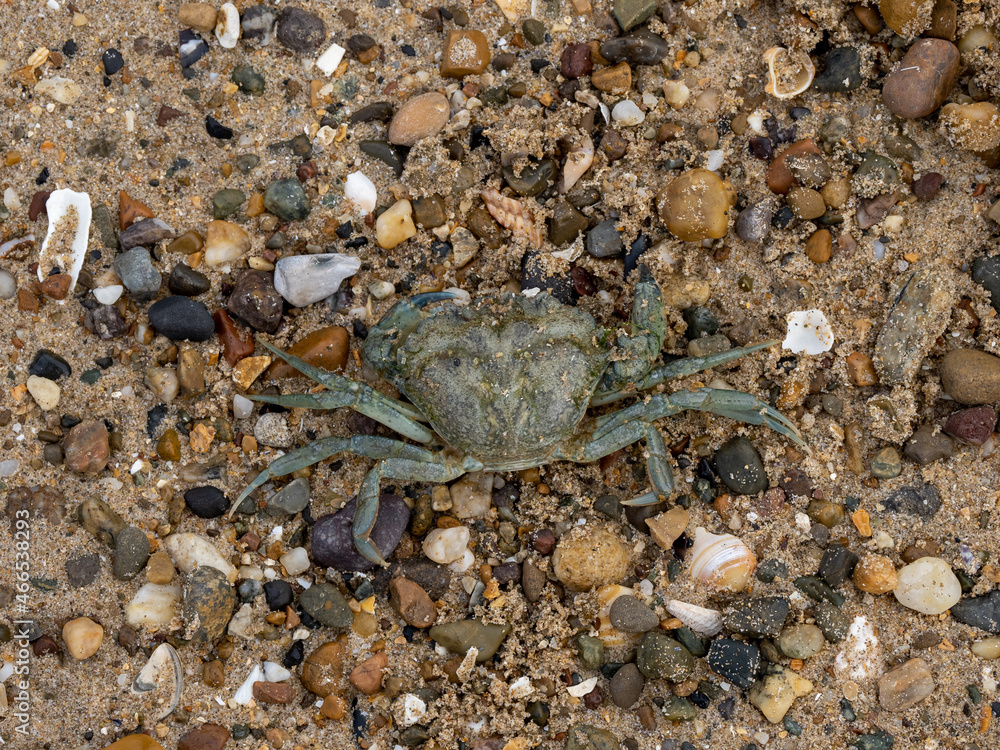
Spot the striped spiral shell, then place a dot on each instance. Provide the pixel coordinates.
(721, 561)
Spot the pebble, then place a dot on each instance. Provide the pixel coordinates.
(131, 553)
(256, 302)
(779, 175)
(135, 742)
(360, 192)
(740, 467)
(660, 657)
(981, 612)
(190, 551)
(842, 71)
(153, 606)
(305, 279)
(753, 224)
(837, 564)
(300, 30)
(928, 444)
(160, 568)
(533, 581)
(199, 16)
(695, 206)
(928, 586)
(83, 571)
(286, 199)
(45, 392)
(532, 179)
(973, 426)
(367, 676)
(181, 318)
(776, 692)
(322, 669)
(47, 364)
(584, 737)
(905, 685)
(207, 736)
(875, 574)
(291, 499)
(420, 117)
(144, 233)
(135, 269)
(640, 47)
(604, 240)
(590, 556)
(630, 615)
(734, 661)
(985, 270)
(907, 18)
(472, 495)
(614, 80)
(326, 605)
(87, 448)
(209, 601)
(258, 23)
(206, 502)
(971, 376)
(465, 52)
(832, 620)
(459, 637)
(923, 501)
(272, 430)
(108, 295)
(919, 313)
(83, 637)
(250, 82)
(626, 113)
(395, 225)
(762, 617)
(566, 224)
(331, 542)
(922, 80)
(446, 545)
(886, 463)
(800, 641)
(626, 686)
(575, 61)
(412, 603)
(667, 527)
(8, 285)
(100, 519)
(163, 382)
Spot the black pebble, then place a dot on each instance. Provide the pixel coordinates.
(734, 660)
(180, 318)
(188, 282)
(191, 48)
(43, 176)
(206, 502)
(69, 48)
(278, 594)
(294, 656)
(47, 364)
(154, 418)
(216, 129)
(113, 61)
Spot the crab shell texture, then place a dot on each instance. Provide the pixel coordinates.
(505, 379)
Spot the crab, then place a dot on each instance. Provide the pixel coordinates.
(505, 384)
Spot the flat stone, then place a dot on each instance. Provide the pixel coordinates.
(135, 269)
(226, 202)
(332, 544)
(181, 318)
(144, 233)
(255, 301)
(735, 661)
(367, 676)
(922, 80)
(250, 82)
(48, 364)
(291, 499)
(322, 669)
(631, 13)
(981, 612)
(923, 501)
(837, 564)
(905, 685)
(761, 617)
(832, 621)
(801, 641)
(273, 692)
(640, 47)
(630, 615)
(604, 240)
(305, 279)
(779, 175)
(204, 737)
(566, 223)
(459, 637)
(206, 502)
(131, 553)
(83, 637)
(100, 520)
(84, 570)
(928, 444)
(776, 692)
(421, 116)
(466, 52)
(918, 315)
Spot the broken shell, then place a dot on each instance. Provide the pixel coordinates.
(227, 26)
(163, 669)
(578, 161)
(790, 72)
(510, 214)
(721, 561)
(65, 245)
(700, 619)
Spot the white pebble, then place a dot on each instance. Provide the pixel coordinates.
(44, 391)
(414, 710)
(8, 285)
(153, 606)
(10, 199)
(108, 295)
(928, 586)
(242, 407)
(295, 561)
(329, 60)
(581, 689)
(627, 113)
(227, 27)
(809, 332)
(714, 159)
(274, 672)
(381, 289)
(360, 192)
(9, 467)
(188, 551)
(241, 624)
(463, 563)
(446, 545)
(471, 496)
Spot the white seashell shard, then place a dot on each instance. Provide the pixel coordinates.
(65, 245)
(227, 26)
(789, 72)
(700, 619)
(578, 161)
(304, 279)
(163, 668)
(188, 551)
(62, 90)
(244, 693)
(808, 331)
(860, 658)
(329, 60)
(721, 561)
(360, 192)
(153, 606)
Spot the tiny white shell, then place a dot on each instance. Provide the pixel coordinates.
(578, 161)
(789, 72)
(65, 244)
(162, 662)
(227, 26)
(721, 561)
(700, 619)
(808, 331)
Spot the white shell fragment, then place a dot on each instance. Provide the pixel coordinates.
(808, 331)
(304, 279)
(581, 689)
(153, 606)
(163, 669)
(721, 561)
(414, 710)
(700, 619)
(274, 672)
(60, 89)
(789, 72)
(108, 295)
(65, 244)
(188, 551)
(330, 59)
(578, 161)
(227, 26)
(360, 192)
(244, 694)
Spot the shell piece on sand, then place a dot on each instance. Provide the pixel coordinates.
(65, 245)
(163, 669)
(188, 551)
(809, 332)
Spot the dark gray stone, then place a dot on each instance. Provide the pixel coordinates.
(758, 618)
(740, 467)
(145, 232)
(181, 318)
(332, 543)
(981, 612)
(842, 71)
(604, 240)
(923, 501)
(325, 604)
(300, 30)
(735, 661)
(131, 553)
(135, 269)
(626, 686)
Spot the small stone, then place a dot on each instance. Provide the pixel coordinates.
(590, 556)
(761, 617)
(333, 546)
(667, 527)
(199, 16)
(367, 676)
(800, 641)
(191, 372)
(922, 80)
(446, 546)
(257, 23)
(83, 571)
(131, 553)
(754, 222)
(412, 603)
(631, 13)
(614, 80)
(819, 246)
(209, 601)
(160, 568)
(206, 502)
(300, 30)
(927, 186)
(806, 204)
(533, 581)
(861, 370)
(981, 612)
(927, 445)
(255, 301)
(83, 637)
(272, 430)
(740, 467)
(305, 279)
(660, 657)
(273, 692)
(970, 376)
(640, 47)
(135, 269)
(837, 564)
(576, 61)
(630, 615)
(204, 737)
(287, 200)
(604, 240)
(322, 669)
(459, 637)
(395, 225)
(45, 392)
(100, 519)
(291, 499)
(144, 233)
(832, 620)
(923, 501)
(921, 309)
(626, 686)
(227, 202)
(429, 212)
(153, 606)
(8, 285)
(48, 364)
(86, 446)
(584, 737)
(734, 661)
(420, 117)
(905, 685)
(626, 114)
(566, 224)
(236, 344)
(695, 206)
(131, 210)
(775, 694)
(466, 52)
(250, 82)
(928, 586)
(780, 178)
(875, 574)
(973, 426)
(181, 318)
(591, 651)
(532, 179)
(842, 71)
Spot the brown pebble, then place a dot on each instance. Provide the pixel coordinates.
(160, 568)
(367, 676)
(87, 448)
(907, 18)
(806, 203)
(875, 574)
(420, 117)
(466, 52)
(616, 80)
(860, 369)
(37, 205)
(326, 348)
(944, 20)
(235, 343)
(323, 669)
(575, 61)
(168, 447)
(205, 737)
(923, 79)
(56, 286)
(869, 18)
(927, 186)
(819, 246)
(213, 673)
(167, 114)
(905, 685)
(971, 376)
(779, 177)
(131, 210)
(412, 603)
(273, 692)
(26, 300)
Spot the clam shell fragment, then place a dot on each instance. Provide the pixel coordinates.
(789, 72)
(65, 245)
(162, 670)
(721, 561)
(701, 620)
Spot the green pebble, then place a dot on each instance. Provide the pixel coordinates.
(226, 202)
(974, 695)
(327, 605)
(875, 741)
(192, 94)
(690, 641)
(459, 637)
(679, 709)
(792, 726)
(886, 464)
(106, 226)
(247, 162)
(287, 200)
(534, 31)
(533, 179)
(248, 79)
(90, 376)
(661, 657)
(630, 13)
(584, 737)
(591, 651)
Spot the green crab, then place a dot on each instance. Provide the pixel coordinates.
(505, 384)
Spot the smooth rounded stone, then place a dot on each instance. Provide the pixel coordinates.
(626, 686)
(973, 426)
(908, 18)
(226, 202)
(100, 520)
(626, 113)
(190, 551)
(776, 692)
(630, 615)
(466, 52)
(86, 447)
(325, 604)
(108, 295)
(163, 382)
(805, 203)
(971, 376)
(45, 392)
(919, 313)
(986, 268)
(412, 603)
(575, 61)
(198, 16)
(225, 242)
(332, 544)
(928, 586)
(877, 175)
(780, 178)
(300, 30)
(753, 224)
(905, 685)
(459, 637)
(604, 240)
(83, 571)
(395, 225)
(734, 661)
(137, 741)
(47, 364)
(886, 463)
(640, 47)
(988, 648)
(272, 430)
(8, 285)
(801, 641)
(131, 553)
(145, 232)
(740, 467)
(590, 556)
(927, 445)
(472, 495)
(660, 657)
(875, 574)
(385, 153)
(250, 82)
(325, 347)
(209, 601)
(181, 319)
(256, 302)
(290, 499)
(204, 737)
(83, 637)
(922, 80)
(206, 502)
(422, 116)
(532, 179)
(153, 606)
(287, 199)
(446, 546)
(842, 71)
(762, 617)
(533, 581)
(322, 669)
(695, 206)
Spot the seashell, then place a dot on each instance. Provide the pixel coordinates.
(721, 561)
(21, 244)
(227, 26)
(606, 596)
(700, 619)
(790, 72)
(510, 213)
(163, 662)
(578, 161)
(65, 245)
(610, 636)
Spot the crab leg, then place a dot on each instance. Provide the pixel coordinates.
(361, 397)
(396, 325)
(642, 345)
(661, 476)
(676, 369)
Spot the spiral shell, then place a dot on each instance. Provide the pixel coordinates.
(701, 620)
(510, 214)
(721, 561)
(789, 72)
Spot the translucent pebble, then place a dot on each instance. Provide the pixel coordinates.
(928, 586)
(360, 192)
(108, 295)
(242, 407)
(627, 113)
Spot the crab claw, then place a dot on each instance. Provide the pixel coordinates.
(392, 330)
